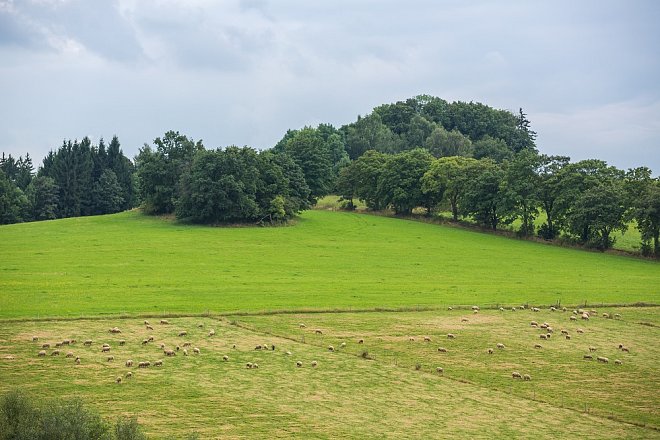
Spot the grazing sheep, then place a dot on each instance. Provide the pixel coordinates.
(45, 345)
(314, 363)
(427, 339)
(162, 346)
(122, 342)
(258, 347)
(593, 312)
(331, 348)
(114, 330)
(248, 365)
(145, 341)
(490, 351)
(288, 353)
(553, 309)
(146, 322)
(501, 309)
(170, 353)
(617, 316)
(534, 324)
(439, 370)
(516, 375)
(144, 364)
(606, 315)
(149, 327)
(500, 345)
(563, 309)
(301, 325)
(164, 321)
(573, 318)
(35, 338)
(451, 336)
(343, 345)
(185, 352)
(626, 349)
(178, 348)
(592, 349)
(450, 308)
(579, 330)
(150, 339)
(118, 380)
(55, 353)
(41, 353)
(475, 308)
(225, 358)
(538, 346)
(58, 344)
(617, 361)
(475, 311)
(544, 325)
(129, 374)
(442, 349)
(129, 363)
(88, 342)
(106, 345)
(200, 325)
(360, 341)
(543, 336)
(233, 346)
(111, 358)
(183, 333)
(523, 306)
(255, 365)
(299, 364)
(535, 309)
(196, 350)
(69, 354)
(464, 320)
(318, 331)
(564, 331)
(211, 332)
(513, 309)
(66, 342)
(550, 329)
(587, 356)
(548, 335)
(527, 377)
(568, 337)
(602, 359)
(187, 344)
(77, 361)
(105, 349)
(575, 312)
(585, 316)
(158, 363)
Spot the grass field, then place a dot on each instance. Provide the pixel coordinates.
(346, 395)
(133, 264)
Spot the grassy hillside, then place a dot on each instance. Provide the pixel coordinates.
(131, 263)
(346, 395)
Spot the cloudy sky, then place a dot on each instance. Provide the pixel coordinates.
(244, 71)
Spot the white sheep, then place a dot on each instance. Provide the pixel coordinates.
(602, 359)
(427, 339)
(573, 318)
(439, 370)
(543, 336)
(129, 374)
(211, 332)
(158, 363)
(164, 321)
(475, 308)
(490, 351)
(500, 345)
(111, 358)
(118, 380)
(41, 353)
(617, 361)
(451, 336)
(442, 349)
(538, 346)
(314, 363)
(183, 333)
(331, 348)
(516, 375)
(343, 345)
(592, 349)
(225, 358)
(579, 330)
(527, 377)
(318, 331)
(288, 353)
(35, 338)
(587, 356)
(129, 363)
(299, 364)
(196, 350)
(450, 308)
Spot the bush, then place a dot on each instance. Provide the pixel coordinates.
(128, 429)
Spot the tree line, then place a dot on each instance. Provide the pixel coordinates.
(475, 161)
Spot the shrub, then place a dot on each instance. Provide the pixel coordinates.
(128, 429)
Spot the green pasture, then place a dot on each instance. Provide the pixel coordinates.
(129, 263)
(369, 390)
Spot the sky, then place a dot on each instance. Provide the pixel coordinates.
(242, 72)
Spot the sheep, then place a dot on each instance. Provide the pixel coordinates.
(602, 359)
(255, 365)
(411, 339)
(451, 336)
(490, 351)
(66, 342)
(535, 309)
(523, 306)
(475, 308)
(69, 354)
(58, 344)
(450, 308)
(575, 312)
(35, 338)
(592, 349)
(225, 358)
(150, 339)
(88, 342)
(314, 363)
(587, 356)
(585, 316)
(248, 365)
(111, 358)
(568, 337)
(233, 346)
(170, 353)
(318, 332)
(196, 350)
(331, 348)
(77, 361)
(45, 345)
(427, 339)
(500, 345)
(129, 363)
(617, 316)
(146, 322)
(553, 309)
(158, 363)
(55, 353)
(513, 309)
(617, 361)
(118, 380)
(564, 331)
(593, 312)
(439, 370)
(211, 332)
(579, 330)
(544, 325)
(527, 377)
(144, 364)
(288, 353)
(464, 320)
(516, 375)
(360, 341)
(185, 352)
(258, 347)
(162, 346)
(149, 327)
(626, 349)
(442, 350)
(178, 348)
(105, 345)
(114, 330)
(105, 349)
(145, 341)
(129, 374)
(543, 336)
(301, 325)
(122, 342)
(550, 329)
(299, 364)
(538, 346)
(183, 333)
(164, 322)
(475, 311)
(200, 325)
(501, 309)
(343, 345)
(606, 315)
(187, 344)
(563, 309)
(573, 318)
(41, 353)
(534, 324)
(548, 335)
